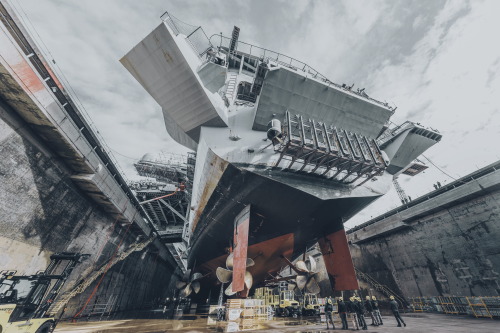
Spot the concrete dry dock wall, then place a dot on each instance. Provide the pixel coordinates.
(42, 212)
(447, 245)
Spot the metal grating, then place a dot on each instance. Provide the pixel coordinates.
(320, 148)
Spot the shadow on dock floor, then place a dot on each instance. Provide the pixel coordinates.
(428, 323)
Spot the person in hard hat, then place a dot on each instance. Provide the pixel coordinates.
(369, 309)
(360, 309)
(395, 311)
(342, 310)
(376, 311)
(328, 312)
(351, 308)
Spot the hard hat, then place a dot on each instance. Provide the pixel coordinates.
(341, 298)
(391, 297)
(367, 298)
(374, 298)
(330, 300)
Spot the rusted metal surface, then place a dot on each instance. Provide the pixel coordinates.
(213, 169)
(268, 257)
(241, 225)
(338, 261)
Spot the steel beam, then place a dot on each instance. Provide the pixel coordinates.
(173, 210)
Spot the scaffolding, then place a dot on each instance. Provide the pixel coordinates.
(479, 307)
(333, 153)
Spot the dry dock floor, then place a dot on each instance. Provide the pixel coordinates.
(415, 323)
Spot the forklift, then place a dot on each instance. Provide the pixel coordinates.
(288, 306)
(25, 299)
(310, 305)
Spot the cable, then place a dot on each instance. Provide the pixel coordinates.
(438, 167)
(131, 158)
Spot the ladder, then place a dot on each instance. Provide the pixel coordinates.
(62, 301)
(380, 287)
(231, 85)
(401, 193)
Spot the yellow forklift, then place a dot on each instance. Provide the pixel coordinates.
(288, 306)
(310, 305)
(25, 299)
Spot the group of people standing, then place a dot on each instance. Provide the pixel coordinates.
(357, 309)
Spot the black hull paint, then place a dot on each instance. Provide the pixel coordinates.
(277, 209)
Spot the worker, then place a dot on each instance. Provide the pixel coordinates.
(342, 310)
(351, 308)
(376, 311)
(360, 309)
(328, 313)
(395, 311)
(369, 309)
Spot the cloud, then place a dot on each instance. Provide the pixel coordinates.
(436, 60)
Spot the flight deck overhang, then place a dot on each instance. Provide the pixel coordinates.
(166, 64)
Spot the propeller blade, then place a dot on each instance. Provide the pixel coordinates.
(186, 275)
(186, 291)
(250, 262)
(224, 275)
(230, 261)
(248, 280)
(292, 266)
(180, 284)
(196, 286)
(229, 290)
(312, 264)
(301, 266)
(301, 281)
(312, 286)
(196, 276)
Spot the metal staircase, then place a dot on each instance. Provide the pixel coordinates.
(231, 85)
(380, 287)
(64, 299)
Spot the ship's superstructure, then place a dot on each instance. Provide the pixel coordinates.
(273, 134)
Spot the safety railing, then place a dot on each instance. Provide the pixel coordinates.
(380, 287)
(286, 61)
(391, 133)
(195, 36)
(479, 307)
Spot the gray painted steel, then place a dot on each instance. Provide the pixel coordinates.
(285, 90)
(160, 66)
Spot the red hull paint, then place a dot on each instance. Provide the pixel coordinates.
(338, 261)
(267, 256)
(242, 223)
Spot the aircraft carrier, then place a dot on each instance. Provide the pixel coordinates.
(275, 139)
(279, 154)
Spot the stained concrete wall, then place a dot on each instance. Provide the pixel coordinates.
(452, 251)
(43, 212)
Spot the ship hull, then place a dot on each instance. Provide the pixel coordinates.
(284, 218)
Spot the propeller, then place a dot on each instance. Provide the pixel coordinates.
(188, 283)
(306, 275)
(225, 275)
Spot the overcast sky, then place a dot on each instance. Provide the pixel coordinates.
(438, 61)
